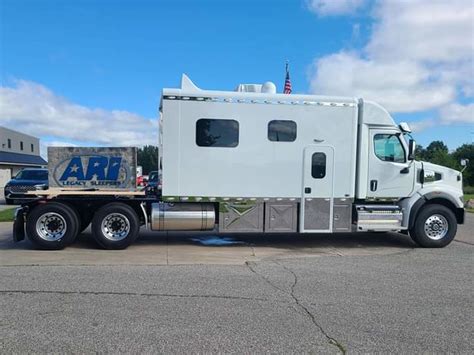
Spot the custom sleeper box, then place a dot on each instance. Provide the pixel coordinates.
(103, 168)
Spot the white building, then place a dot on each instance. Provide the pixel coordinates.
(17, 151)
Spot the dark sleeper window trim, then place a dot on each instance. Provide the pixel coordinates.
(212, 132)
(282, 131)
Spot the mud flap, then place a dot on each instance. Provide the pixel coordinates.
(19, 225)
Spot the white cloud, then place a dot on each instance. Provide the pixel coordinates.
(448, 115)
(334, 7)
(423, 30)
(419, 126)
(34, 109)
(399, 86)
(457, 113)
(419, 56)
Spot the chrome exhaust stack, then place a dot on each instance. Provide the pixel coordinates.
(182, 216)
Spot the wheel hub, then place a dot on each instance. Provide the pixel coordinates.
(115, 226)
(436, 227)
(51, 226)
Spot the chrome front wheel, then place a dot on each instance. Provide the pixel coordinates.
(436, 227)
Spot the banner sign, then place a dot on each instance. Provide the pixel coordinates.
(92, 167)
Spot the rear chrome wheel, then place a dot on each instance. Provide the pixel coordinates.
(115, 226)
(51, 226)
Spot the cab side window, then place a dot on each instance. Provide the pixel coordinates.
(389, 148)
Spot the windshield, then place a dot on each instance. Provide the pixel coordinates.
(32, 175)
(153, 177)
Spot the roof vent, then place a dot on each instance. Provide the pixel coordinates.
(268, 88)
(249, 88)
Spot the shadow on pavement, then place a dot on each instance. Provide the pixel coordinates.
(284, 241)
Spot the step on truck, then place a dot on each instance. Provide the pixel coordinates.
(251, 161)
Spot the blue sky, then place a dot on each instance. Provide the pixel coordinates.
(108, 60)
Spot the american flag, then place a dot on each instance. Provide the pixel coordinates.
(287, 89)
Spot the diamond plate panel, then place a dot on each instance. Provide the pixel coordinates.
(244, 218)
(281, 217)
(317, 213)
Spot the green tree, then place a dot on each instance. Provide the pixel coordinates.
(438, 153)
(420, 153)
(148, 158)
(466, 151)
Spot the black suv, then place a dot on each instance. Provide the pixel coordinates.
(26, 180)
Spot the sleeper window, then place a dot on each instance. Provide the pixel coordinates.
(217, 133)
(389, 148)
(282, 131)
(318, 165)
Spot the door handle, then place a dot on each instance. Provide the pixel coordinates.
(373, 185)
(405, 170)
(307, 190)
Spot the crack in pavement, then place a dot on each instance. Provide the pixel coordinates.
(106, 293)
(292, 294)
(463, 242)
(330, 339)
(248, 264)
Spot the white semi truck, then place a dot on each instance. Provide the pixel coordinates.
(254, 161)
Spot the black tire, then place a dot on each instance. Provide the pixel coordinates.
(62, 217)
(121, 231)
(440, 216)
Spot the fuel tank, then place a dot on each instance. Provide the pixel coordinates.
(182, 216)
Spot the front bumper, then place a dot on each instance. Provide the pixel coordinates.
(18, 196)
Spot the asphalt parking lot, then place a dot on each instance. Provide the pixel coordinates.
(177, 293)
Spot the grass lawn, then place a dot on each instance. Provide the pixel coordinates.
(7, 215)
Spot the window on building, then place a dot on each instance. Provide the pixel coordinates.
(318, 165)
(21, 145)
(9, 143)
(32, 148)
(217, 133)
(282, 131)
(389, 148)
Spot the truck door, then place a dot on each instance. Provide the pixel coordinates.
(390, 173)
(317, 195)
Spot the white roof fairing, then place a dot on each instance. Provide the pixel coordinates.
(375, 114)
(188, 88)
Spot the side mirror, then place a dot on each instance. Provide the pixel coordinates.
(404, 127)
(464, 162)
(411, 149)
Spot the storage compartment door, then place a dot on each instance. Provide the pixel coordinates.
(316, 211)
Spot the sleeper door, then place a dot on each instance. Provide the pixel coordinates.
(317, 190)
